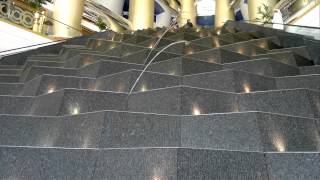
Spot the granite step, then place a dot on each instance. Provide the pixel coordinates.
(103, 68)
(310, 70)
(10, 71)
(218, 55)
(183, 66)
(265, 67)
(9, 78)
(183, 100)
(140, 57)
(155, 163)
(246, 131)
(10, 88)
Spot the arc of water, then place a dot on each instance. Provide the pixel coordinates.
(149, 63)
(160, 38)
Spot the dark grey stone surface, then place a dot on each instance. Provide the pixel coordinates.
(309, 81)
(51, 83)
(9, 78)
(47, 104)
(124, 50)
(82, 101)
(39, 70)
(244, 49)
(140, 130)
(286, 57)
(138, 163)
(230, 80)
(37, 163)
(183, 66)
(81, 131)
(209, 164)
(103, 68)
(293, 166)
(266, 67)
(292, 102)
(123, 81)
(236, 131)
(10, 88)
(288, 133)
(15, 104)
(310, 70)
(182, 100)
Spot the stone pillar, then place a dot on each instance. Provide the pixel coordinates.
(68, 13)
(188, 11)
(174, 5)
(115, 6)
(141, 14)
(223, 12)
(253, 6)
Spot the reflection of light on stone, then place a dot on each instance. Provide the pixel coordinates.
(189, 51)
(172, 73)
(262, 45)
(143, 88)
(51, 88)
(240, 51)
(86, 142)
(121, 87)
(87, 60)
(216, 42)
(196, 110)
(156, 178)
(247, 88)
(278, 142)
(236, 108)
(75, 110)
(92, 87)
(211, 60)
(150, 46)
(99, 43)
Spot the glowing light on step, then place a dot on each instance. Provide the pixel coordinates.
(143, 88)
(216, 42)
(51, 89)
(211, 60)
(156, 178)
(87, 60)
(150, 46)
(240, 51)
(189, 50)
(278, 141)
(75, 110)
(121, 87)
(247, 88)
(262, 45)
(196, 110)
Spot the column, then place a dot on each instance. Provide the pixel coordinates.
(174, 5)
(223, 12)
(68, 13)
(115, 6)
(141, 14)
(188, 11)
(253, 6)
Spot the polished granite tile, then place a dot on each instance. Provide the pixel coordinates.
(15, 105)
(122, 129)
(131, 163)
(210, 164)
(236, 131)
(293, 166)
